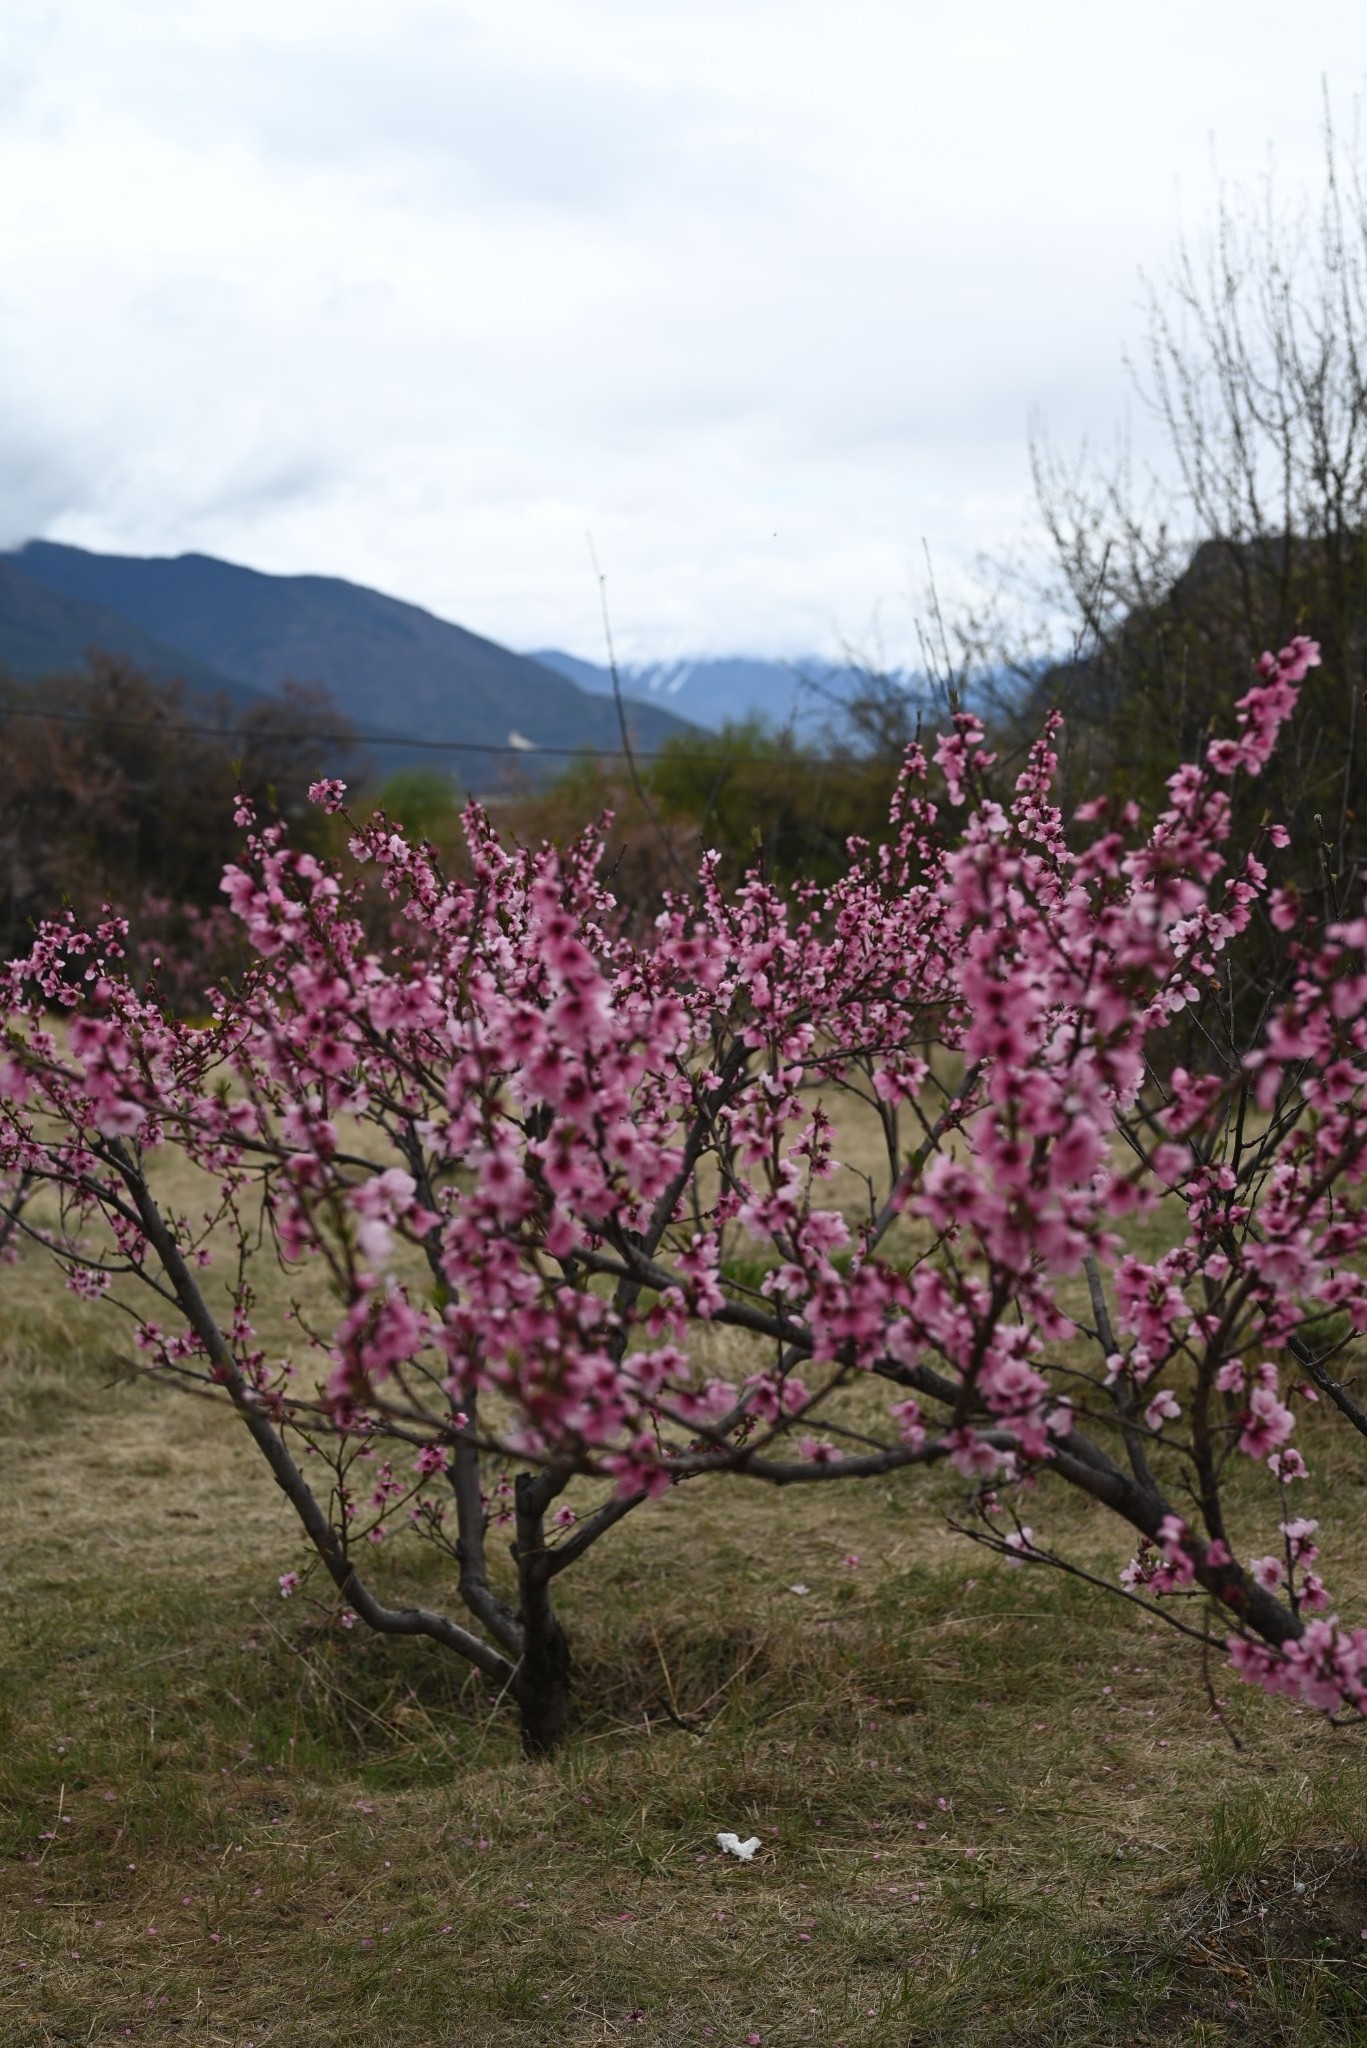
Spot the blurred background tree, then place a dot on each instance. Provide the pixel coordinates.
(1251, 525)
(116, 788)
(753, 793)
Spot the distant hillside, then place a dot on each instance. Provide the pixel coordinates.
(389, 666)
(805, 693)
(44, 632)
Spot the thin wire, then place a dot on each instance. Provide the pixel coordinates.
(362, 740)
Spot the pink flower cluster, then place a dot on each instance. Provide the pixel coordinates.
(1265, 709)
(536, 1161)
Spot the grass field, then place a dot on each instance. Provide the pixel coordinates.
(995, 1807)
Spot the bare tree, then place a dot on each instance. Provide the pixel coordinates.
(1172, 577)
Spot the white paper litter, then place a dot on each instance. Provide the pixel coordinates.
(732, 1845)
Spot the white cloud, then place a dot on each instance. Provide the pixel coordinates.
(762, 293)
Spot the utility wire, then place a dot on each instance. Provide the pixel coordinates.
(362, 740)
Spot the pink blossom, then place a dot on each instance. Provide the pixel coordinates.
(1164, 1407)
(974, 1457)
(1299, 1536)
(1267, 1425)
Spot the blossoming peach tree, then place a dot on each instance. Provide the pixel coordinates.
(1108, 1246)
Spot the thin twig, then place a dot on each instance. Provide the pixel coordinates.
(690, 882)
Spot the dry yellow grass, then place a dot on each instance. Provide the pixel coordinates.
(994, 1806)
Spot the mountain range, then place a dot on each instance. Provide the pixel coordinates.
(804, 693)
(397, 672)
(44, 633)
(416, 687)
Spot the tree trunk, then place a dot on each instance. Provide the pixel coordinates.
(541, 1684)
(542, 1687)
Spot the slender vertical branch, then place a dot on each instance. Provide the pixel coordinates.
(690, 881)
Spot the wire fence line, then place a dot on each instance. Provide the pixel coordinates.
(840, 763)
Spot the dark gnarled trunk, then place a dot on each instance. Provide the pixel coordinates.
(541, 1685)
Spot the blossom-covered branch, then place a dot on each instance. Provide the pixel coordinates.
(601, 1211)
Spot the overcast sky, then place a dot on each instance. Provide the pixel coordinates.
(761, 293)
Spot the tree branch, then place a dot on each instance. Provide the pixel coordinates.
(405, 1621)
